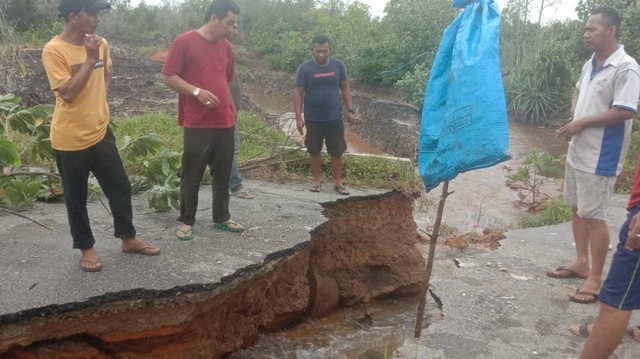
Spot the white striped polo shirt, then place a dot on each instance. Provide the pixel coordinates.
(602, 150)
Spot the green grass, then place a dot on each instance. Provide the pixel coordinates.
(261, 140)
(163, 125)
(258, 139)
(554, 211)
(379, 172)
(625, 180)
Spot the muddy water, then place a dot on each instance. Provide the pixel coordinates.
(282, 108)
(347, 334)
(523, 139)
(481, 199)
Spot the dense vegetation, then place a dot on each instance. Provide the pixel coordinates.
(151, 149)
(541, 61)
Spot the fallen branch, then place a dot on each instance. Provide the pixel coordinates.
(25, 217)
(16, 174)
(263, 164)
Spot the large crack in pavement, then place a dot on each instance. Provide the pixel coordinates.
(367, 249)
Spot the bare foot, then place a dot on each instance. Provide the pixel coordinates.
(138, 246)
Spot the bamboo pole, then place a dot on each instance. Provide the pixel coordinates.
(432, 250)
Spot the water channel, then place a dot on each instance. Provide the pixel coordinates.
(481, 199)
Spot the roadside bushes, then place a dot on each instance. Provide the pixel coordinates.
(24, 138)
(539, 90)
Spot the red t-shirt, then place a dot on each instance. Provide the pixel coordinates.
(209, 66)
(635, 191)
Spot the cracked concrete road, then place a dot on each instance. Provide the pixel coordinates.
(498, 304)
(38, 267)
(501, 304)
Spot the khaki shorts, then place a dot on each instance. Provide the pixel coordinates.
(587, 192)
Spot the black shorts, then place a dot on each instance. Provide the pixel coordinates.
(332, 132)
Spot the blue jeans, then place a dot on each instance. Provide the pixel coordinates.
(235, 182)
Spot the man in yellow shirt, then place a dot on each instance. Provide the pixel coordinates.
(78, 66)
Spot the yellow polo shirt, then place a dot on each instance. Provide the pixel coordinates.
(83, 122)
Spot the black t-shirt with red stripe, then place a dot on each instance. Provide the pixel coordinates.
(322, 97)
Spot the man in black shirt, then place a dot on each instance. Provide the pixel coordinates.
(320, 85)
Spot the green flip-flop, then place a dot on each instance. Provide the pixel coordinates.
(187, 234)
(225, 226)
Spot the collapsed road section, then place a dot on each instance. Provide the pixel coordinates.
(364, 251)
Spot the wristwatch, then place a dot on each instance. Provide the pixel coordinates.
(351, 111)
(196, 92)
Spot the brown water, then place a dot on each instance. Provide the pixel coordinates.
(344, 335)
(281, 108)
(522, 138)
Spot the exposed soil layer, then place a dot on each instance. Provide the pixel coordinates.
(137, 86)
(366, 250)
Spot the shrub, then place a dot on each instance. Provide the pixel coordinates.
(554, 211)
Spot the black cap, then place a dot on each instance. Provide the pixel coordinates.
(69, 6)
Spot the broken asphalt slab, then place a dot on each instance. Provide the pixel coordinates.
(39, 268)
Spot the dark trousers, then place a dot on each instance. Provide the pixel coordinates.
(202, 147)
(103, 160)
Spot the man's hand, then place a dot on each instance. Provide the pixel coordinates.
(633, 242)
(207, 99)
(92, 44)
(351, 118)
(300, 126)
(570, 129)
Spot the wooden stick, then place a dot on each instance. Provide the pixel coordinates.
(16, 174)
(25, 217)
(432, 250)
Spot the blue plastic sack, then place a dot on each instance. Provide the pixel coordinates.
(464, 116)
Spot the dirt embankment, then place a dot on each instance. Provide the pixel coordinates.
(386, 124)
(366, 250)
(137, 88)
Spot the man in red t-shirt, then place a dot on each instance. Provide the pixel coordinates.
(200, 67)
(620, 293)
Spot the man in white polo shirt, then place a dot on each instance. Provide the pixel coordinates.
(603, 105)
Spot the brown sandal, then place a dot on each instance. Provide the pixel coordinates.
(243, 194)
(570, 274)
(95, 265)
(147, 250)
(581, 330)
(593, 297)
